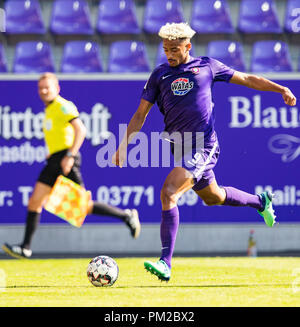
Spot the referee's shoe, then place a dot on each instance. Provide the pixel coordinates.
(17, 251)
(133, 222)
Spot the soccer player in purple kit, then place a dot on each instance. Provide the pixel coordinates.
(182, 89)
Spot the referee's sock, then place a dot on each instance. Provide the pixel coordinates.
(32, 222)
(103, 209)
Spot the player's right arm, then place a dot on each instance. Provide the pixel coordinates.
(134, 126)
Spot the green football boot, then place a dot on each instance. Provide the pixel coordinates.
(268, 212)
(159, 268)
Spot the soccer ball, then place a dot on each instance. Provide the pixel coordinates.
(102, 271)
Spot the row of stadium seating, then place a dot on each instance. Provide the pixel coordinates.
(119, 17)
(131, 56)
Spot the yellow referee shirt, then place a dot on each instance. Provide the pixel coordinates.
(59, 133)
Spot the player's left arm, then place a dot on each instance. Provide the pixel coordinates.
(79, 136)
(262, 84)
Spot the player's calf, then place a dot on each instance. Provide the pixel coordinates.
(213, 200)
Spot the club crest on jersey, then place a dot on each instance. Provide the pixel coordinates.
(181, 86)
(195, 70)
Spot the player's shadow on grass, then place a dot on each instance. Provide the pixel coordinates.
(205, 286)
(44, 286)
(154, 286)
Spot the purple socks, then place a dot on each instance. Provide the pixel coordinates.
(237, 198)
(170, 219)
(168, 231)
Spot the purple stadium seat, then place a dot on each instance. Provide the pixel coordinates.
(3, 67)
(81, 57)
(33, 57)
(258, 16)
(160, 12)
(128, 57)
(229, 53)
(161, 56)
(271, 56)
(292, 22)
(214, 19)
(23, 17)
(71, 17)
(117, 17)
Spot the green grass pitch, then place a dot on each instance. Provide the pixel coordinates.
(195, 282)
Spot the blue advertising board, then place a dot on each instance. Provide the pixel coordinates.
(259, 138)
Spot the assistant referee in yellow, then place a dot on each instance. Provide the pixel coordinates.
(64, 134)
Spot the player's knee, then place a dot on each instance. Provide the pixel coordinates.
(167, 196)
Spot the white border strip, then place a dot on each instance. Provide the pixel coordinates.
(123, 77)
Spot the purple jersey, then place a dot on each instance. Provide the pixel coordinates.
(183, 94)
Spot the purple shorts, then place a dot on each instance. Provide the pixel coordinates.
(203, 172)
(201, 165)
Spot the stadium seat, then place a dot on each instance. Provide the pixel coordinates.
(291, 22)
(71, 17)
(117, 17)
(161, 56)
(24, 17)
(160, 12)
(271, 56)
(214, 19)
(258, 16)
(228, 52)
(128, 57)
(33, 57)
(81, 57)
(3, 67)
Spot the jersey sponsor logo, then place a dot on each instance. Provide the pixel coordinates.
(181, 86)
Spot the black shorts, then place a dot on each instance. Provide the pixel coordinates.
(53, 169)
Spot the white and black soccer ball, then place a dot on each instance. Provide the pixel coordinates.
(102, 271)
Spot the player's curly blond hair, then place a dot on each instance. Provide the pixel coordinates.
(176, 31)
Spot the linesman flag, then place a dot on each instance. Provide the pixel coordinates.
(69, 201)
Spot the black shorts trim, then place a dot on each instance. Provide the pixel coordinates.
(53, 169)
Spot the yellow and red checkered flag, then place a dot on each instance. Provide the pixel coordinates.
(68, 201)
